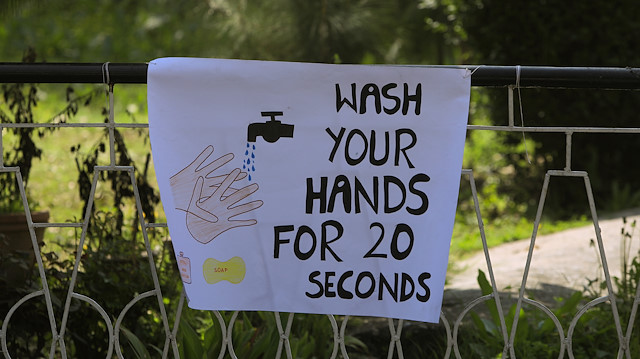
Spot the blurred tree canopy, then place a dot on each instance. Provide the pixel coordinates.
(352, 31)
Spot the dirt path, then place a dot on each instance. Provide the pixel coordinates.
(561, 262)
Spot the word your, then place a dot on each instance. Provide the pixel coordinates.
(393, 102)
(357, 145)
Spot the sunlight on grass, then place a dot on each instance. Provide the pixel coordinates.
(466, 237)
(53, 184)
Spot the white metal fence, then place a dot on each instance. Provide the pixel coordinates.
(338, 342)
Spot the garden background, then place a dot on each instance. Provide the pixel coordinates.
(489, 32)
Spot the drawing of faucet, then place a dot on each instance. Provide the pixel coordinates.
(270, 130)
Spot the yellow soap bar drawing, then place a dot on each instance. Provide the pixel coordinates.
(232, 270)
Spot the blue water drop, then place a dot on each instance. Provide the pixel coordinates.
(247, 164)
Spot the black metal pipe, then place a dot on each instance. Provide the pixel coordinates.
(483, 76)
(559, 77)
(126, 73)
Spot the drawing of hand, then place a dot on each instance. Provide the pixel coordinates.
(183, 181)
(209, 216)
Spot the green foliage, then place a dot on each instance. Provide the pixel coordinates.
(18, 100)
(96, 34)
(17, 106)
(255, 335)
(28, 334)
(561, 33)
(137, 346)
(119, 182)
(630, 270)
(623, 196)
(535, 335)
(114, 268)
(507, 202)
(595, 334)
(112, 280)
(497, 162)
(596, 326)
(291, 30)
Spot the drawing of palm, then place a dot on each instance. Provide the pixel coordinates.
(209, 201)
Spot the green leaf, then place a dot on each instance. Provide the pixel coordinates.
(138, 347)
(213, 340)
(190, 341)
(353, 342)
(487, 289)
(481, 330)
(156, 349)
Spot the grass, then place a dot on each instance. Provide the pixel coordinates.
(53, 182)
(466, 236)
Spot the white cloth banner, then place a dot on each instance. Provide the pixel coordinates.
(309, 188)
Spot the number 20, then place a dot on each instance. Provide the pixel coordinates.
(395, 252)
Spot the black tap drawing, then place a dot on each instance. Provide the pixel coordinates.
(270, 130)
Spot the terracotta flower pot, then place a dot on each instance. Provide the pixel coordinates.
(16, 244)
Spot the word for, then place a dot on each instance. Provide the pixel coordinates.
(401, 288)
(305, 241)
(393, 101)
(306, 231)
(357, 145)
(353, 195)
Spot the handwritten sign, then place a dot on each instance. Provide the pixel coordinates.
(307, 187)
